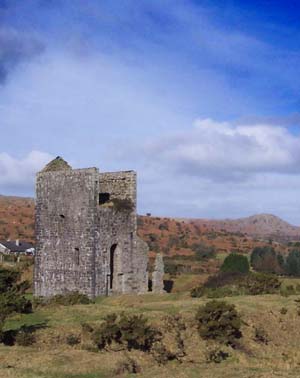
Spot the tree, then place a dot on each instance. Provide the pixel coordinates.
(293, 263)
(235, 263)
(12, 296)
(265, 259)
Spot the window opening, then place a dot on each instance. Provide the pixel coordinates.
(103, 198)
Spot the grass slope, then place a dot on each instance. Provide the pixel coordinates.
(51, 357)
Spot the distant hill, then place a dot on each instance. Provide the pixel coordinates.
(168, 235)
(266, 226)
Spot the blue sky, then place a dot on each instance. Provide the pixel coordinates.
(200, 97)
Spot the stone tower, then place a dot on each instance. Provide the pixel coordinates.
(86, 229)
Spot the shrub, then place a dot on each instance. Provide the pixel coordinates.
(161, 353)
(11, 296)
(219, 321)
(129, 366)
(230, 284)
(73, 340)
(260, 283)
(265, 259)
(260, 336)
(216, 355)
(219, 292)
(222, 279)
(235, 263)
(198, 292)
(130, 331)
(8, 279)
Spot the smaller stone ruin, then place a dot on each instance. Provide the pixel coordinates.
(158, 275)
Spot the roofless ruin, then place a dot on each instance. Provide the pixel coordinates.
(86, 228)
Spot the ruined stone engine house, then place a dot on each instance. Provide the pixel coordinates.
(86, 229)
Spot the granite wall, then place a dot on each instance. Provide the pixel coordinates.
(85, 242)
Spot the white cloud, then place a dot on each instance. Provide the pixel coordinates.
(18, 174)
(220, 150)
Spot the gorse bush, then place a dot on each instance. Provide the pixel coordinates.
(261, 336)
(129, 331)
(235, 263)
(230, 284)
(219, 321)
(216, 355)
(259, 283)
(73, 339)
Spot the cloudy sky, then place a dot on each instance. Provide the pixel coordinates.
(200, 97)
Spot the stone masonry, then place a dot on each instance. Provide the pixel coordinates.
(158, 275)
(86, 229)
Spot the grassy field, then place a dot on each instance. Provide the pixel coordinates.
(52, 357)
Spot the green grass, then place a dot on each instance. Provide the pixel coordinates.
(51, 357)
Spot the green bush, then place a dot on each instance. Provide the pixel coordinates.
(231, 284)
(260, 283)
(235, 263)
(130, 331)
(219, 321)
(8, 279)
(11, 296)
